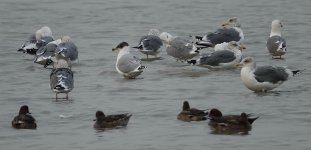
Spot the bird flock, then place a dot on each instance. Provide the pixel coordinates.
(227, 45)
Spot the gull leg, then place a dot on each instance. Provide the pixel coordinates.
(66, 96)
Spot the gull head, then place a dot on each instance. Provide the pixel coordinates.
(247, 62)
(120, 46)
(43, 32)
(65, 38)
(166, 38)
(232, 22)
(154, 32)
(234, 44)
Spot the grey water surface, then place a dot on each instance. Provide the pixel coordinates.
(156, 98)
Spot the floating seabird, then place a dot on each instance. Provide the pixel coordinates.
(111, 121)
(24, 120)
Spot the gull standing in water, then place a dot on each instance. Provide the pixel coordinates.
(229, 31)
(127, 65)
(150, 44)
(221, 59)
(180, 48)
(276, 44)
(263, 78)
(45, 54)
(67, 49)
(61, 77)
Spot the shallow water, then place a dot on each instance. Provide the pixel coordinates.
(156, 98)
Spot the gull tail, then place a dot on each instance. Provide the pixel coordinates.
(142, 67)
(48, 62)
(297, 72)
(206, 44)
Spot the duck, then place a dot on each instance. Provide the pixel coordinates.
(230, 124)
(111, 121)
(24, 120)
(191, 114)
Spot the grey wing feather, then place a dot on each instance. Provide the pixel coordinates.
(273, 44)
(128, 63)
(215, 58)
(224, 35)
(61, 79)
(47, 50)
(151, 42)
(180, 47)
(69, 50)
(270, 74)
(44, 41)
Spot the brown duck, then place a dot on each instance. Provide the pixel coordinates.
(191, 114)
(111, 121)
(230, 124)
(24, 120)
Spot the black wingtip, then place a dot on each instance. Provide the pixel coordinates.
(198, 37)
(138, 47)
(193, 62)
(296, 72)
(48, 62)
(142, 67)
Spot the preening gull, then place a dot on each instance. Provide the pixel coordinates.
(276, 45)
(67, 49)
(44, 54)
(61, 77)
(230, 31)
(180, 48)
(221, 59)
(127, 65)
(41, 37)
(150, 44)
(263, 78)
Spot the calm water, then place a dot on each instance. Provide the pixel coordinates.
(96, 26)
